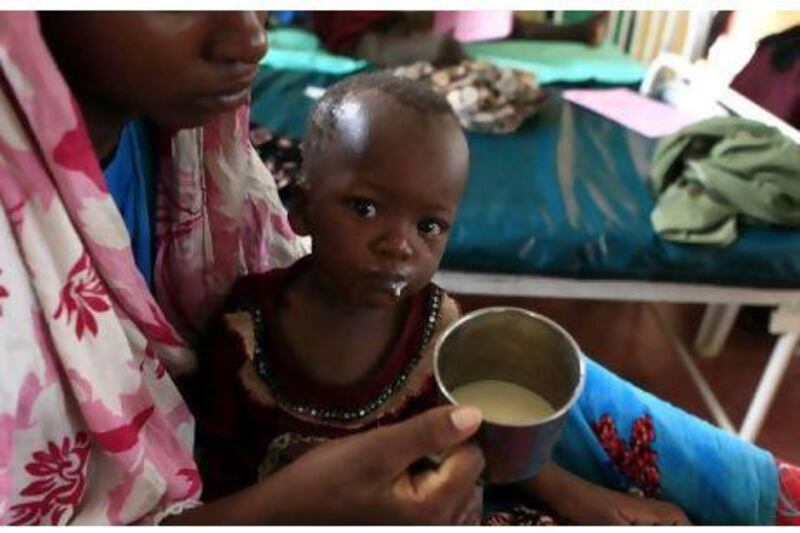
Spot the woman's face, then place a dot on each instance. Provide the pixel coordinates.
(178, 69)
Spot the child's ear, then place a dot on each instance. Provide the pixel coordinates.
(298, 208)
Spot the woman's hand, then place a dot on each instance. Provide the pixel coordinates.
(369, 473)
(366, 479)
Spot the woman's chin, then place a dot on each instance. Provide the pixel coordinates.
(196, 118)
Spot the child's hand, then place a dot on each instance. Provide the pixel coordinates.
(645, 511)
(607, 507)
(580, 502)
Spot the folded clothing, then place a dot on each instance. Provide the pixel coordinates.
(710, 173)
(486, 98)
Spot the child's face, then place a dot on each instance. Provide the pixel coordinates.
(380, 200)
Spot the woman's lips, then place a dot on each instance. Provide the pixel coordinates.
(225, 101)
(235, 93)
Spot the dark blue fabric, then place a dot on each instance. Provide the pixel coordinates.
(566, 195)
(129, 178)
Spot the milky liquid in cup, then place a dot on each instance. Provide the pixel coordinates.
(503, 402)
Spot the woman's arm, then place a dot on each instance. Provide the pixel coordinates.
(365, 479)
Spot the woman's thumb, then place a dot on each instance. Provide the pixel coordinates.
(428, 433)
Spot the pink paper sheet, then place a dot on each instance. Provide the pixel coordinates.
(649, 117)
(471, 26)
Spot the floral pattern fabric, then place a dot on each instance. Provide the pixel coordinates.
(789, 498)
(281, 155)
(59, 474)
(636, 460)
(92, 427)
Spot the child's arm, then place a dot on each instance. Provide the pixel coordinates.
(215, 400)
(581, 502)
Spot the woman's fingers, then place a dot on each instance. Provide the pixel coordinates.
(471, 515)
(451, 489)
(365, 478)
(426, 434)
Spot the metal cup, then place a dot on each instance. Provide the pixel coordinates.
(518, 346)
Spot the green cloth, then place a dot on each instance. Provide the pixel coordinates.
(709, 173)
(551, 62)
(564, 62)
(573, 16)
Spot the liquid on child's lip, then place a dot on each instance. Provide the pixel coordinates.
(398, 287)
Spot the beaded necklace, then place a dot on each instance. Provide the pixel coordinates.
(266, 373)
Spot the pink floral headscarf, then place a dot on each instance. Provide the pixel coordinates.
(92, 427)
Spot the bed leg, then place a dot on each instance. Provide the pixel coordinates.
(768, 385)
(710, 399)
(718, 320)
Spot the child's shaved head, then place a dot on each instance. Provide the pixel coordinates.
(338, 104)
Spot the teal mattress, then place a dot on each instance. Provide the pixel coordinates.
(567, 195)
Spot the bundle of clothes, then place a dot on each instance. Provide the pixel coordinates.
(486, 98)
(714, 174)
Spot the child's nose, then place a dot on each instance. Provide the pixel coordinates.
(394, 246)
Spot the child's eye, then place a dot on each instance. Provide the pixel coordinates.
(364, 208)
(431, 227)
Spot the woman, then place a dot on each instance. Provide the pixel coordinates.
(94, 429)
